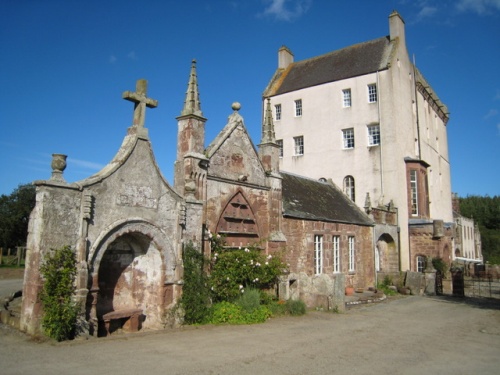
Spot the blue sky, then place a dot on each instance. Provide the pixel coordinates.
(64, 65)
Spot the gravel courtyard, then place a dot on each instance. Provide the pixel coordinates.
(404, 335)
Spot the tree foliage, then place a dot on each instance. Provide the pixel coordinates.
(486, 213)
(60, 311)
(15, 211)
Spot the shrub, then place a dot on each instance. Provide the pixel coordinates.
(249, 301)
(60, 311)
(195, 300)
(231, 313)
(235, 270)
(295, 307)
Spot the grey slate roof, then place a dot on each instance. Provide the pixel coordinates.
(305, 198)
(356, 60)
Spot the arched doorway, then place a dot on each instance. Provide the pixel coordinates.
(386, 254)
(131, 267)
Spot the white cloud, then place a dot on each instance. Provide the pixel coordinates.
(498, 128)
(491, 113)
(131, 55)
(286, 10)
(426, 12)
(480, 7)
(112, 59)
(85, 164)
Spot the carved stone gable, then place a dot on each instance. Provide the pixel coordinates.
(238, 223)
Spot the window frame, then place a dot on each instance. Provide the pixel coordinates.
(277, 112)
(298, 108)
(336, 253)
(372, 93)
(279, 142)
(373, 134)
(318, 254)
(414, 192)
(348, 138)
(350, 187)
(346, 98)
(420, 263)
(352, 253)
(298, 147)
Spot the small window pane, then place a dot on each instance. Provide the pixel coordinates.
(348, 137)
(372, 93)
(277, 111)
(318, 254)
(346, 97)
(298, 108)
(352, 259)
(373, 135)
(279, 142)
(299, 145)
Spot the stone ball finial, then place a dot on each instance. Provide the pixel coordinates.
(236, 106)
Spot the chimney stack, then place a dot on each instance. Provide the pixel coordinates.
(397, 28)
(285, 57)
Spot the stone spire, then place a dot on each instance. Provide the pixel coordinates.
(268, 135)
(192, 105)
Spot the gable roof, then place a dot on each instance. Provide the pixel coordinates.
(305, 198)
(352, 61)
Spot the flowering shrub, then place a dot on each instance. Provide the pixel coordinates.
(235, 270)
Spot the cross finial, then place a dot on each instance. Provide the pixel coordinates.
(141, 101)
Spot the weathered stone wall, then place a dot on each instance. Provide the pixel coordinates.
(300, 257)
(424, 242)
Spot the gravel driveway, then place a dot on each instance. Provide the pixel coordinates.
(407, 335)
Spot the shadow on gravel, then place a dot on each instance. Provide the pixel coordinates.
(477, 302)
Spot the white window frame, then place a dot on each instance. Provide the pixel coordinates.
(421, 263)
(298, 143)
(336, 253)
(373, 135)
(298, 108)
(279, 142)
(414, 192)
(350, 187)
(372, 93)
(352, 254)
(318, 254)
(277, 112)
(346, 98)
(348, 138)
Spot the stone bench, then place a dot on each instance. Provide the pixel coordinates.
(132, 315)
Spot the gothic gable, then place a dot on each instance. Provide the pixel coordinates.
(233, 156)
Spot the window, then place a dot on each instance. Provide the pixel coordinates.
(352, 258)
(414, 192)
(318, 254)
(299, 145)
(298, 108)
(336, 253)
(279, 142)
(347, 97)
(421, 263)
(277, 111)
(348, 137)
(372, 93)
(373, 135)
(349, 189)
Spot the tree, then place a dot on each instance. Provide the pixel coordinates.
(15, 211)
(486, 213)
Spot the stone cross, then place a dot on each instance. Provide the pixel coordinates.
(141, 101)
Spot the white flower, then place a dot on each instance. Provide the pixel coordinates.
(257, 264)
(209, 235)
(216, 255)
(218, 235)
(246, 250)
(267, 263)
(269, 256)
(241, 286)
(257, 279)
(227, 278)
(242, 290)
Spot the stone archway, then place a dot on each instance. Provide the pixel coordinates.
(386, 249)
(130, 267)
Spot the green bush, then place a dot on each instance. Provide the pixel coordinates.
(295, 307)
(60, 311)
(231, 313)
(195, 300)
(235, 270)
(249, 301)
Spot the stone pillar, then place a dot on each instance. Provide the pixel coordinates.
(339, 293)
(430, 278)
